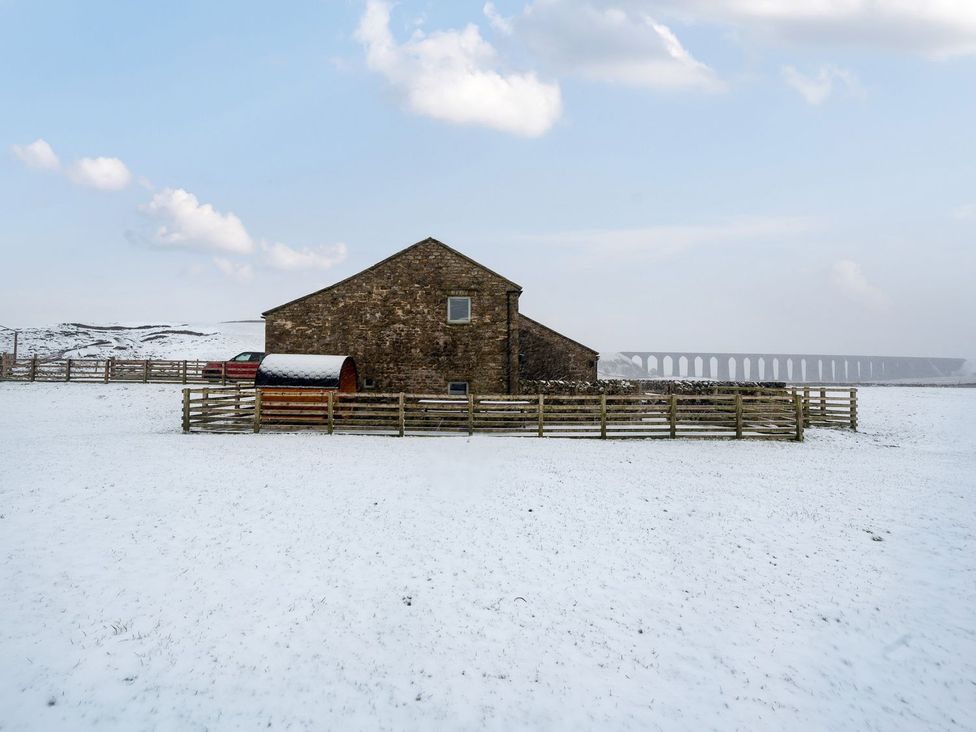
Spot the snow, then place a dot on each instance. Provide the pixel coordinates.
(203, 341)
(155, 580)
(300, 367)
(618, 366)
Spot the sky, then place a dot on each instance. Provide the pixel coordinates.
(728, 175)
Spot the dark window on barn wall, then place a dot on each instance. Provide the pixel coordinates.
(459, 310)
(457, 388)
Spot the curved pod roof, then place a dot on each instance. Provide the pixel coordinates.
(304, 369)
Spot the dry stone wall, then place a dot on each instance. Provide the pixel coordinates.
(641, 386)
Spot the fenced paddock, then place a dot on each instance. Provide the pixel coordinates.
(823, 406)
(105, 370)
(773, 416)
(760, 413)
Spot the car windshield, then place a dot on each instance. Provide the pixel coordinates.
(242, 357)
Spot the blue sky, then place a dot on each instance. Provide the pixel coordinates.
(732, 174)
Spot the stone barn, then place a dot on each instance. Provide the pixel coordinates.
(429, 320)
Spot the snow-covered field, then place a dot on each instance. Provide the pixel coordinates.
(153, 580)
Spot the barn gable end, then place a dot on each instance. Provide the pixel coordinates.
(392, 318)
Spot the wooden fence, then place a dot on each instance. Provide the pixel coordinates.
(94, 370)
(825, 406)
(246, 409)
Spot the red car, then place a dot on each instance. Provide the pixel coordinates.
(242, 367)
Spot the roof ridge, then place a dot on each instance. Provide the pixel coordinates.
(387, 259)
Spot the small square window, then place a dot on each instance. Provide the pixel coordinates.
(459, 310)
(457, 388)
(369, 383)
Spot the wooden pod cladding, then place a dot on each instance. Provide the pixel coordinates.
(308, 370)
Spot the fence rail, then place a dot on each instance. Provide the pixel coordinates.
(246, 409)
(94, 370)
(825, 406)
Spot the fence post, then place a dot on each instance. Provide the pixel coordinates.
(145, 371)
(331, 411)
(257, 410)
(223, 373)
(806, 406)
(542, 420)
(184, 372)
(738, 415)
(470, 414)
(33, 368)
(401, 417)
(108, 362)
(854, 409)
(798, 410)
(186, 410)
(673, 415)
(823, 404)
(67, 371)
(603, 416)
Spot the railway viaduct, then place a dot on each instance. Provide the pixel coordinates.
(796, 368)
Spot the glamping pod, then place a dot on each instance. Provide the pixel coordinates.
(309, 370)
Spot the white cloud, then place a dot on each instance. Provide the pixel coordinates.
(608, 43)
(452, 76)
(187, 223)
(242, 273)
(817, 88)
(848, 278)
(938, 28)
(107, 174)
(499, 23)
(281, 256)
(38, 154)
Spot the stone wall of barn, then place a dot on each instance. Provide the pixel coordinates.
(392, 319)
(547, 355)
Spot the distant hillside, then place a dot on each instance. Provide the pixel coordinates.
(155, 340)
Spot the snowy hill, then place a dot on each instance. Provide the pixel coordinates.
(154, 340)
(618, 366)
